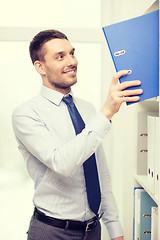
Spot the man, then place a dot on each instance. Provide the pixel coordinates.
(56, 154)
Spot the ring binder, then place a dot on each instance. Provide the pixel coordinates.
(140, 38)
(142, 214)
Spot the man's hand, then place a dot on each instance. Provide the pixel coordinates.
(117, 94)
(119, 238)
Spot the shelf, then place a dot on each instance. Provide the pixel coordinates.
(142, 180)
(155, 99)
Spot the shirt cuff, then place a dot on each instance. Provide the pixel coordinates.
(100, 125)
(114, 229)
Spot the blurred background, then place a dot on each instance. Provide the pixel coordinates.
(82, 22)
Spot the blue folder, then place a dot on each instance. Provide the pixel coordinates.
(134, 45)
(142, 219)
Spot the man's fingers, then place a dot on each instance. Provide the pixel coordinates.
(127, 84)
(127, 93)
(118, 75)
(130, 99)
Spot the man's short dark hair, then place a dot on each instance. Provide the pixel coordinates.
(39, 40)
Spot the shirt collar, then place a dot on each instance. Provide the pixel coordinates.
(52, 95)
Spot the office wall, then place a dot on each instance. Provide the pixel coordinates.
(51, 13)
(19, 82)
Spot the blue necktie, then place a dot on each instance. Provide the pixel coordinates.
(89, 166)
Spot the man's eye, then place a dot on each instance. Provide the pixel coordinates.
(60, 57)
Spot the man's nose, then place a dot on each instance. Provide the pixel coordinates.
(71, 60)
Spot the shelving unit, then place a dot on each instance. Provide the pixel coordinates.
(149, 107)
(141, 176)
(126, 170)
(142, 180)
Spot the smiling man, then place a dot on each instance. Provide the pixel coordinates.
(54, 68)
(60, 137)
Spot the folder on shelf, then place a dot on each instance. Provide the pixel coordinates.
(153, 154)
(154, 223)
(157, 157)
(134, 46)
(136, 216)
(142, 142)
(151, 128)
(142, 149)
(142, 214)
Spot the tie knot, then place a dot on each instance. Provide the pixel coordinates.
(68, 100)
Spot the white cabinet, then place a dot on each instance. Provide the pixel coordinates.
(145, 5)
(127, 170)
(149, 180)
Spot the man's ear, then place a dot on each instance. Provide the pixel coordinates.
(39, 67)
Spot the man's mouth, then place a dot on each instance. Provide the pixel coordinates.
(70, 70)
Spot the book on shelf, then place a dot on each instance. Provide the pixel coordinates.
(134, 46)
(143, 204)
(157, 158)
(154, 223)
(153, 155)
(148, 151)
(151, 129)
(142, 141)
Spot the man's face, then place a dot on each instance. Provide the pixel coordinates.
(60, 65)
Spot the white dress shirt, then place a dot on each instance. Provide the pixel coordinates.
(54, 156)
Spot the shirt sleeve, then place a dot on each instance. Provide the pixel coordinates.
(109, 209)
(34, 137)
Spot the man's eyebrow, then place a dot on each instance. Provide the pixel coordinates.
(62, 52)
(59, 53)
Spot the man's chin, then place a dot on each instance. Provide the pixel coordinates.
(64, 85)
(71, 83)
